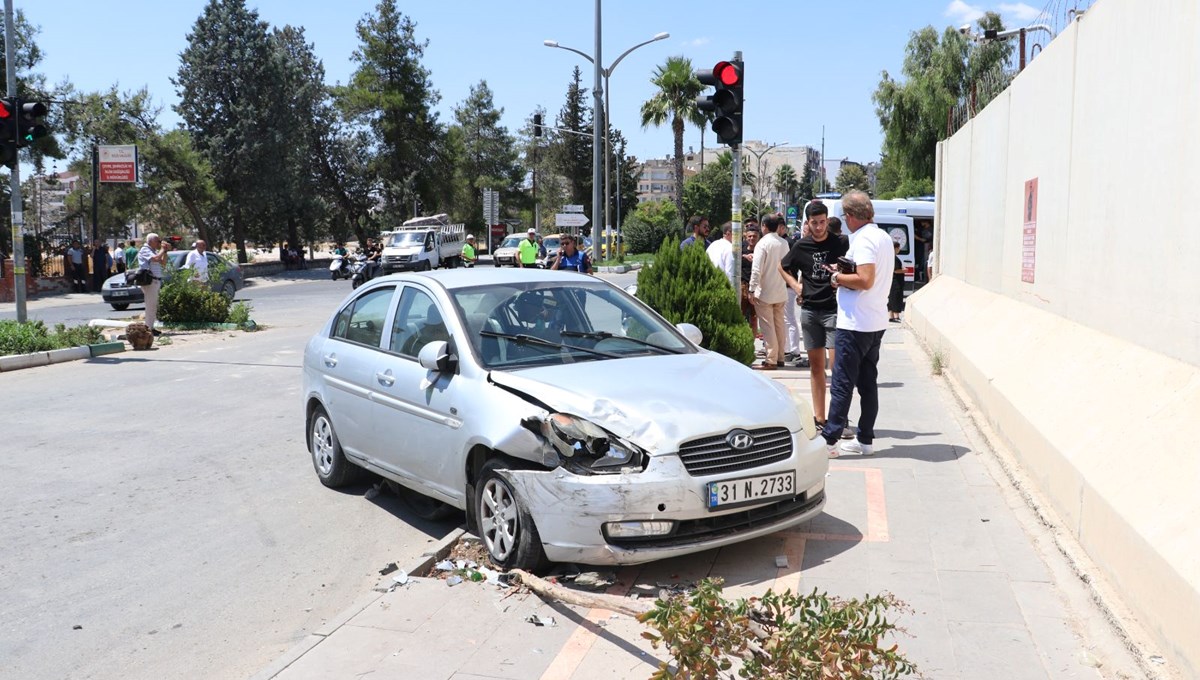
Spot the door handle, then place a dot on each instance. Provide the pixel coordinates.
(385, 379)
(330, 360)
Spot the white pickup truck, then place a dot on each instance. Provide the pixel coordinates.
(423, 243)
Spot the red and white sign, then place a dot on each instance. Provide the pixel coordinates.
(1029, 231)
(118, 164)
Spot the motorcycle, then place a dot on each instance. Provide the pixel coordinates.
(340, 267)
(362, 270)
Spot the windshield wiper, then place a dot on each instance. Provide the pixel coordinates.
(605, 335)
(526, 339)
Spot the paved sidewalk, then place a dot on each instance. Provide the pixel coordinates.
(923, 518)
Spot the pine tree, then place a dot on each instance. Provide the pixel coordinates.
(684, 287)
(572, 153)
(487, 155)
(390, 93)
(226, 81)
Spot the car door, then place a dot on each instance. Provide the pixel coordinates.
(349, 359)
(420, 427)
(900, 229)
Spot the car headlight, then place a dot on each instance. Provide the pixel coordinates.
(586, 448)
(805, 413)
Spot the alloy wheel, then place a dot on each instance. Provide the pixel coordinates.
(498, 519)
(322, 445)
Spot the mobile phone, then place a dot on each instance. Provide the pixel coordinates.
(846, 266)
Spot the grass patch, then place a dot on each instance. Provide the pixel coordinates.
(937, 362)
(33, 336)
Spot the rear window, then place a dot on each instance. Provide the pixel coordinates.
(899, 234)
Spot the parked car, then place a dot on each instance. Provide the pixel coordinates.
(120, 294)
(568, 419)
(507, 253)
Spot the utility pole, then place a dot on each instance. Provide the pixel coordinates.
(95, 190)
(598, 124)
(737, 210)
(18, 214)
(822, 166)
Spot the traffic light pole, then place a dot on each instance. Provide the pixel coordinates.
(737, 211)
(18, 214)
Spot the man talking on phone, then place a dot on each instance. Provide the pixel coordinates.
(862, 280)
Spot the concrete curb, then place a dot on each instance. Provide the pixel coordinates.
(417, 567)
(14, 362)
(621, 268)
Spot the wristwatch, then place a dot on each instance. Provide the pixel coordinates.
(833, 278)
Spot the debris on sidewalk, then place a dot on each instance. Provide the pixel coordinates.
(389, 568)
(401, 578)
(595, 580)
(374, 491)
(539, 621)
(454, 580)
(444, 565)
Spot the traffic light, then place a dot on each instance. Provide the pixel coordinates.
(725, 104)
(8, 132)
(537, 125)
(30, 127)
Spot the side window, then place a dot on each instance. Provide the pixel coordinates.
(898, 234)
(362, 320)
(418, 322)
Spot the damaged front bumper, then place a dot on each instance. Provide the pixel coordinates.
(571, 511)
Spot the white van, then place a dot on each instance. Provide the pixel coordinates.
(900, 219)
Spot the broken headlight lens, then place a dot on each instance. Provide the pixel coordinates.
(585, 447)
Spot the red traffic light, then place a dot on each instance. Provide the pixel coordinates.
(5, 112)
(727, 73)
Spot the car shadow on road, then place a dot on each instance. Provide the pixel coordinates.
(389, 502)
(928, 453)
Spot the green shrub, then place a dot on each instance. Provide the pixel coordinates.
(33, 336)
(240, 313)
(780, 635)
(645, 229)
(685, 287)
(184, 300)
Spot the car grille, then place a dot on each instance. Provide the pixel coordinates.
(397, 259)
(713, 455)
(710, 528)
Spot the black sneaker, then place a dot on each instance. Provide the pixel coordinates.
(156, 332)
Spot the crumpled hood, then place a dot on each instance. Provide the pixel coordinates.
(658, 402)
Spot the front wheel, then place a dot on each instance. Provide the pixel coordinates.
(354, 284)
(328, 460)
(228, 289)
(120, 306)
(505, 525)
(425, 266)
(333, 275)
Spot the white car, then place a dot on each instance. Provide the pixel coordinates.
(508, 252)
(569, 420)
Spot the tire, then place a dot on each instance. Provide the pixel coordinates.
(507, 529)
(354, 284)
(329, 462)
(426, 266)
(495, 262)
(333, 275)
(228, 289)
(120, 306)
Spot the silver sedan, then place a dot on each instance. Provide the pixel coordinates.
(569, 420)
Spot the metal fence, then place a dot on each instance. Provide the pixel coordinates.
(1032, 39)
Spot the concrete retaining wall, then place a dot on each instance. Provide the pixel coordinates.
(1090, 373)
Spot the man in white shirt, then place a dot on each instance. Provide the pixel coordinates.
(197, 261)
(77, 271)
(768, 290)
(721, 252)
(861, 320)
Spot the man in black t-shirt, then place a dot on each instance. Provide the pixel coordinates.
(804, 271)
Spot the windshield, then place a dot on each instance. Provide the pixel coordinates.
(512, 242)
(405, 238)
(526, 324)
(551, 242)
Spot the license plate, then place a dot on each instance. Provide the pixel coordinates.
(119, 293)
(731, 492)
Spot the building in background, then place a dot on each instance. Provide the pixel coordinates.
(656, 177)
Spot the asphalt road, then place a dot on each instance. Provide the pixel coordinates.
(161, 516)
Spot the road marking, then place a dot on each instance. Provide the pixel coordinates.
(580, 643)
(877, 522)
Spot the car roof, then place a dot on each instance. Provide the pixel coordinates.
(452, 279)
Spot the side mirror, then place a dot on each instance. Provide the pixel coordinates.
(436, 356)
(690, 332)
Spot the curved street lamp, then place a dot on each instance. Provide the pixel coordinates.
(607, 73)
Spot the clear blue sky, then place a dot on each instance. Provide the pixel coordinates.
(808, 63)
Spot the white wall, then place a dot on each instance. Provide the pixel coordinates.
(1091, 374)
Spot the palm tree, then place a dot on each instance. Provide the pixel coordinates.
(675, 100)
(786, 183)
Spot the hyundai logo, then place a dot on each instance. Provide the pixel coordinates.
(739, 440)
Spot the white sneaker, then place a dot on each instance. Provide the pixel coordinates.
(832, 449)
(857, 447)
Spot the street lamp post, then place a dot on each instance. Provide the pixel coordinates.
(758, 155)
(606, 73)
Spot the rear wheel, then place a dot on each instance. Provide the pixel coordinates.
(228, 289)
(505, 524)
(328, 460)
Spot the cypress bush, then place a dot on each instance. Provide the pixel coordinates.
(684, 287)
